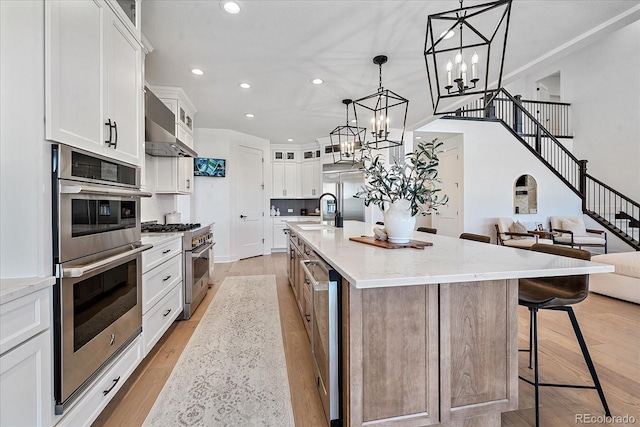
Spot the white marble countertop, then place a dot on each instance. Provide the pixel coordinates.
(449, 260)
(12, 289)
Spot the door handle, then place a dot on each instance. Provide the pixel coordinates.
(243, 216)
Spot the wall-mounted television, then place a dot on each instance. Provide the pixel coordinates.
(206, 166)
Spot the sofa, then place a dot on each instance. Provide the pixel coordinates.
(624, 283)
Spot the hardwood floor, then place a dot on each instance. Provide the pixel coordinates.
(611, 329)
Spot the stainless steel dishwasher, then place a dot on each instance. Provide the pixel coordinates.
(325, 333)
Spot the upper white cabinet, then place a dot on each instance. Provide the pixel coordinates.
(311, 178)
(285, 180)
(179, 103)
(174, 175)
(287, 155)
(93, 79)
(129, 12)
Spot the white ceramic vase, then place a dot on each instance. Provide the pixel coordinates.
(398, 222)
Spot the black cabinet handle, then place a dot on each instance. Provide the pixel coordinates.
(108, 123)
(115, 144)
(166, 278)
(166, 252)
(105, 392)
(308, 317)
(167, 313)
(243, 216)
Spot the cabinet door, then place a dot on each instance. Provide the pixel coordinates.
(167, 175)
(124, 91)
(278, 184)
(25, 383)
(310, 178)
(73, 73)
(279, 238)
(185, 174)
(291, 183)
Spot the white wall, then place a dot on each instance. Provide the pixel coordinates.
(602, 83)
(492, 161)
(214, 199)
(25, 157)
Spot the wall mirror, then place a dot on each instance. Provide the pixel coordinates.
(525, 195)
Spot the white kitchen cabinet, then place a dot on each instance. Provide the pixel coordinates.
(129, 13)
(174, 175)
(284, 155)
(93, 80)
(179, 103)
(101, 390)
(26, 376)
(279, 241)
(25, 383)
(311, 178)
(285, 180)
(162, 290)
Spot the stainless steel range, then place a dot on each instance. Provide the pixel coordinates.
(197, 251)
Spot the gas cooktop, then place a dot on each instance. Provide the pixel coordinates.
(168, 228)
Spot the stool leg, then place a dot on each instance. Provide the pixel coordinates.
(587, 358)
(534, 322)
(530, 334)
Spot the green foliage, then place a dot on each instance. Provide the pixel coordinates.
(414, 180)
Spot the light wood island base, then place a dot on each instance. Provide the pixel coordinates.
(438, 354)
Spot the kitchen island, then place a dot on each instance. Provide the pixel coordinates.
(429, 336)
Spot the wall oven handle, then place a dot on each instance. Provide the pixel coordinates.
(81, 271)
(102, 190)
(199, 253)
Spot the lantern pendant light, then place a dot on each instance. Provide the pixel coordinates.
(481, 36)
(384, 113)
(346, 141)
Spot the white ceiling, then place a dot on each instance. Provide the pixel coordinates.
(280, 46)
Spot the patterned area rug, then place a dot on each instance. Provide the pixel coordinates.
(233, 370)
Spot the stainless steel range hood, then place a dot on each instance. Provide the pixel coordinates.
(159, 130)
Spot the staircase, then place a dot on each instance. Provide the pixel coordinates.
(613, 210)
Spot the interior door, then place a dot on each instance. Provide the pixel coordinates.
(448, 219)
(249, 202)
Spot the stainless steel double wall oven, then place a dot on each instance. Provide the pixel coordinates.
(98, 264)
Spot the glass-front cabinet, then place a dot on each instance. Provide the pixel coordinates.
(129, 12)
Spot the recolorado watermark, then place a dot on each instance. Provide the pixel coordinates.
(603, 419)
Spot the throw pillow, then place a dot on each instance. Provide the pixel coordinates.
(577, 228)
(518, 227)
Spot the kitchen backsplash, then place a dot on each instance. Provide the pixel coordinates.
(295, 205)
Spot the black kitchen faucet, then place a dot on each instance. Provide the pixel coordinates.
(338, 217)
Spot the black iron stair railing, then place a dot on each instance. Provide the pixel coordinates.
(610, 208)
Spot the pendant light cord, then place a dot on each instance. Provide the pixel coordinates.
(380, 81)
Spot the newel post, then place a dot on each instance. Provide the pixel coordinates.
(583, 183)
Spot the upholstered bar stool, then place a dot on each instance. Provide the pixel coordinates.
(476, 237)
(556, 293)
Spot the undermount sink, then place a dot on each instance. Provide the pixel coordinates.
(308, 227)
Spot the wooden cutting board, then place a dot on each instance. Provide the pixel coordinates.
(370, 240)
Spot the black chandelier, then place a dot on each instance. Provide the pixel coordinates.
(346, 141)
(479, 28)
(386, 108)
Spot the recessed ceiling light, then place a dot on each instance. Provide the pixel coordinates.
(197, 71)
(418, 137)
(231, 7)
(317, 81)
(290, 139)
(249, 115)
(447, 34)
(354, 121)
(244, 85)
